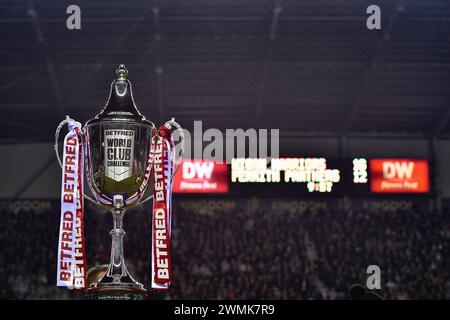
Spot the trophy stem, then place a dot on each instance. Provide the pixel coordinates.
(117, 282)
(117, 268)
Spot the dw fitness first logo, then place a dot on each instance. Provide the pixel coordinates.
(399, 175)
(201, 176)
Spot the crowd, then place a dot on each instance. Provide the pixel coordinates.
(245, 254)
(411, 248)
(241, 254)
(28, 250)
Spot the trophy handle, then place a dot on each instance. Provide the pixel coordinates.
(58, 129)
(169, 124)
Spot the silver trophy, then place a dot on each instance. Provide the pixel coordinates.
(117, 144)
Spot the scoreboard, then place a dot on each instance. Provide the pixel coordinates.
(358, 176)
(305, 176)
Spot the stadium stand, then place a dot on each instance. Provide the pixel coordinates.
(247, 254)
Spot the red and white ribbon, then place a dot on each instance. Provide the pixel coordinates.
(163, 159)
(71, 264)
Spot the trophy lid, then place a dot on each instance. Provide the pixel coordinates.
(120, 105)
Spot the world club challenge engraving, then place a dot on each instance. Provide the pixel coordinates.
(119, 154)
(116, 148)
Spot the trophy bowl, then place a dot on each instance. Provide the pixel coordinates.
(117, 154)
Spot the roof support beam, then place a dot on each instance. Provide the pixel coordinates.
(441, 122)
(109, 53)
(219, 19)
(277, 8)
(18, 81)
(37, 131)
(32, 180)
(156, 47)
(368, 75)
(368, 135)
(49, 64)
(159, 70)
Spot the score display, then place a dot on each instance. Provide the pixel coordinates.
(311, 171)
(357, 176)
(360, 174)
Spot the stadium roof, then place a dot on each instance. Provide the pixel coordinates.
(308, 67)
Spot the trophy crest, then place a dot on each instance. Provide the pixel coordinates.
(118, 146)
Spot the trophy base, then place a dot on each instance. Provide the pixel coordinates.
(116, 291)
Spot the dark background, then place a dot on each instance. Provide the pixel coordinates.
(309, 68)
(301, 66)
